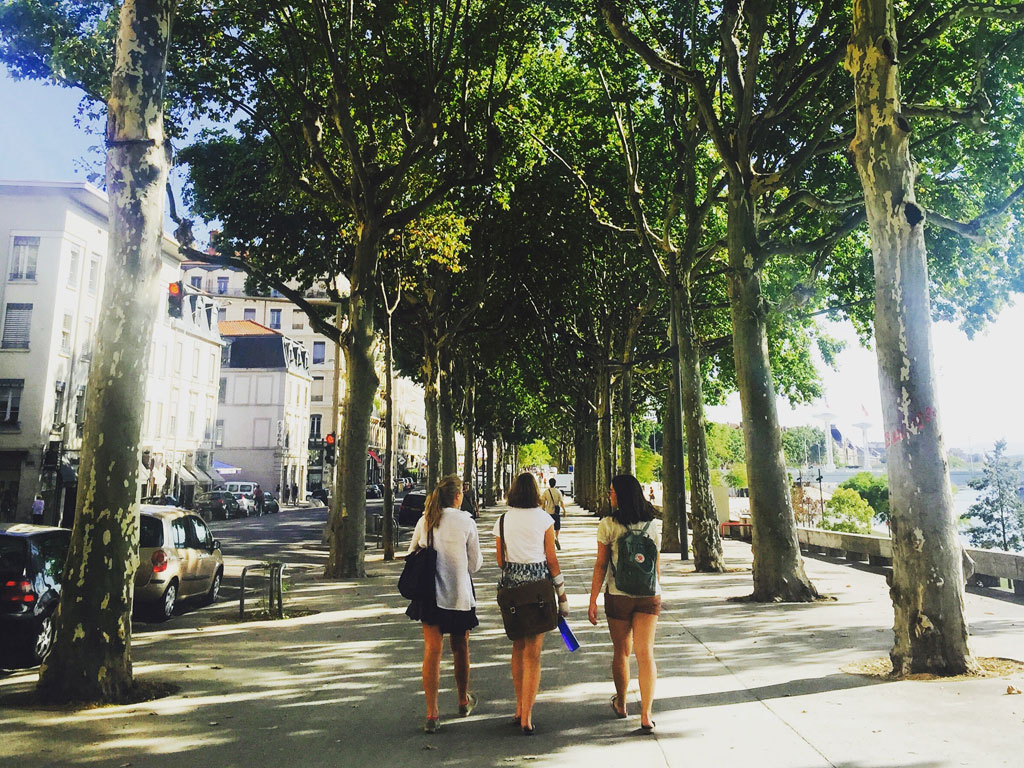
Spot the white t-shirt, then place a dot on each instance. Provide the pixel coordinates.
(524, 534)
(458, 555)
(608, 532)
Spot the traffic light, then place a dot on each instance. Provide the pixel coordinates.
(329, 449)
(175, 295)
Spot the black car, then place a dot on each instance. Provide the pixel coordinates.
(374, 491)
(318, 494)
(218, 505)
(31, 565)
(411, 508)
(165, 500)
(270, 505)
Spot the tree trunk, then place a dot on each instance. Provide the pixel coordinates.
(499, 468)
(446, 423)
(603, 463)
(582, 442)
(707, 544)
(469, 430)
(91, 657)
(489, 472)
(930, 628)
(778, 567)
(347, 523)
(388, 519)
(625, 401)
(432, 408)
(671, 471)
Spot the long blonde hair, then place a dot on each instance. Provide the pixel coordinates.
(443, 495)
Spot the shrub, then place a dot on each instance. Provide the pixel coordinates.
(847, 511)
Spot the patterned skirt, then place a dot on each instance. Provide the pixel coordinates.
(514, 574)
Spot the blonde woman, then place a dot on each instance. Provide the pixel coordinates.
(453, 534)
(527, 554)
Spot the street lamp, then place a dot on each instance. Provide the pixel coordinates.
(821, 495)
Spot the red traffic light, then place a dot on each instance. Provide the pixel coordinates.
(174, 289)
(329, 440)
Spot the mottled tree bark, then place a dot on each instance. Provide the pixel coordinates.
(603, 459)
(707, 544)
(930, 628)
(347, 520)
(388, 520)
(672, 489)
(489, 473)
(431, 371)
(446, 422)
(469, 430)
(91, 657)
(627, 452)
(778, 566)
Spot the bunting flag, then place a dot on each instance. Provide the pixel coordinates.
(865, 411)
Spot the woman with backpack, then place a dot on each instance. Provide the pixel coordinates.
(452, 533)
(628, 567)
(530, 579)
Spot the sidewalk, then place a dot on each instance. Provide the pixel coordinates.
(740, 685)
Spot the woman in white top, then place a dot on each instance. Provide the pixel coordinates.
(453, 534)
(632, 619)
(529, 543)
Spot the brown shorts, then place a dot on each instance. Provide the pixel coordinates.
(622, 608)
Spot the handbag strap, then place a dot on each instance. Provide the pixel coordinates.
(501, 535)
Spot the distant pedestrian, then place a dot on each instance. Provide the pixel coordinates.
(627, 542)
(37, 510)
(554, 505)
(295, 493)
(257, 493)
(453, 612)
(525, 541)
(650, 496)
(469, 502)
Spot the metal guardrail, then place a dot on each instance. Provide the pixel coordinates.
(989, 565)
(275, 587)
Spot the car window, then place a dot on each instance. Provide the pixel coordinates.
(199, 536)
(54, 551)
(151, 533)
(12, 554)
(179, 533)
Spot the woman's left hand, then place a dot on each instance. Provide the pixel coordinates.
(592, 612)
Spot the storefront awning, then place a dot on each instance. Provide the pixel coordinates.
(185, 477)
(215, 477)
(223, 469)
(143, 476)
(375, 456)
(203, 478)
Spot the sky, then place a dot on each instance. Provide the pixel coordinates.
(979, 381)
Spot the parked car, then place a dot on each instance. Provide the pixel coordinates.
(217, 505)
(270, 505)
(247, 503)
(241, 486)
(178, 559)
(411, 508)
(318, 494)
(31, 566)
(162, 500)
(373, 491)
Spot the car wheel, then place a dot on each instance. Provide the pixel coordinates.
(44, 640)
(167, 602)
(211, 596)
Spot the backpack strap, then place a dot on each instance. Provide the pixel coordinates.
(644, 529)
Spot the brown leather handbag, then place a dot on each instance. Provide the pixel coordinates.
(528, 609)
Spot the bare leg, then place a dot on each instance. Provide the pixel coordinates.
(622, 642)
(645, 626)
(517, 674)
(531, 677)
(433, 644)
(460, 653)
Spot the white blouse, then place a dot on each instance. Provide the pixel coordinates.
(458, 556)
(524, 534)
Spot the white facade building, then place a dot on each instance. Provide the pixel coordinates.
(53, 246)
(263, 416)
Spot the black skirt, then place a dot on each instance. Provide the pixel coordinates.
(447, 621)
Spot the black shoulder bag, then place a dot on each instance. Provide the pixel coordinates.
(417, 579)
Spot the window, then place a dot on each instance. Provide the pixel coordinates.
(319, 351)
(10, 400)
(65, 333)
(213, 366)
(317, 391)
(94, 275)
(198, 534)
(275, 294)
(80, 406)
(58, 403)
(249, 313)
(151, 532)
(177, 357)
(219, 434)
(191, 414)
(24, 258)
(17, 321)
(314, 425)
(197, 282)
(54, 552)
(75, 263)
(195, 363)
(87, 338)
(222, 314)
(179, 535)
(222, 390)
(222, 285)
(275, 318)
(158, 428)
(264, 390)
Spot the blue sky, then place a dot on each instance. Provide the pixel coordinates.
(980, 380)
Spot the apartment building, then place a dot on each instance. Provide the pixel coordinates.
(264, 407)
(227, 287)
(53, 247)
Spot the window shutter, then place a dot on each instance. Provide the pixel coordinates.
(17, 322)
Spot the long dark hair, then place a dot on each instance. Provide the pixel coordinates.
(524, 493)
(632, 506)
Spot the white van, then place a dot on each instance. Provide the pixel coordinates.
(245, 492)
(239, 487)
(564, 483)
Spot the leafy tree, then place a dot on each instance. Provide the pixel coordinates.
(999, 511)
(846, 511)
(874, 489)
(725, 445)
(648, 465)
(802, 444)
(535, 454)
(736, 477)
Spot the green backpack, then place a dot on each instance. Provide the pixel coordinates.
(636, 567)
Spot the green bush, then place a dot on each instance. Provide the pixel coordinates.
(848, 512)
(874, 489)
(736, 477)
(648, 465)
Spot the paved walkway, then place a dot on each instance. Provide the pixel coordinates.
(740, 685)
